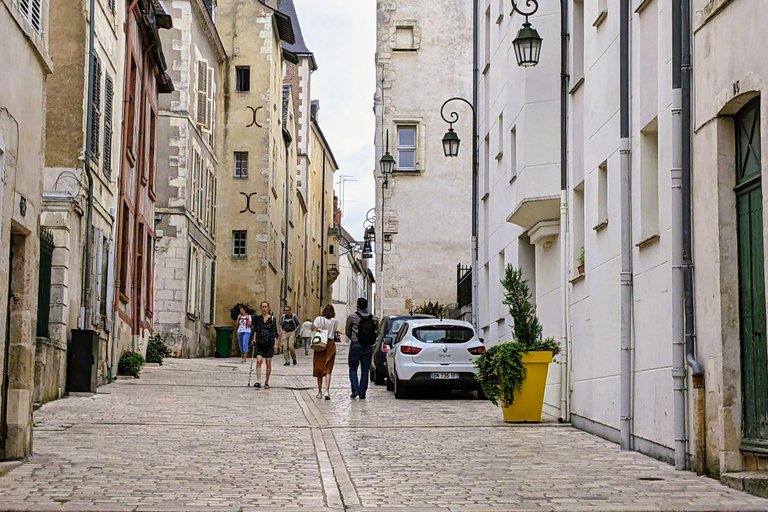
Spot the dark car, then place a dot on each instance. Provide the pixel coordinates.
(388, 327)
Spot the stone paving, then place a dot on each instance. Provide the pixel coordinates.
(190, 436)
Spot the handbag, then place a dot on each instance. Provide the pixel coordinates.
(319, 340)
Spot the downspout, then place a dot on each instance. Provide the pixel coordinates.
(284, 291)
(626, 236)
(565, 353)
(322, 234)
(697, 371)
(87, 282)
(475, 160)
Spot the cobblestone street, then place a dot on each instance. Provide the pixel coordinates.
(190, 436)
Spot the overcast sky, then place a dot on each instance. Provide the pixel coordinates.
(342, 35)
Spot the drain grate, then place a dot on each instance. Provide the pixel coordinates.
(651, 479)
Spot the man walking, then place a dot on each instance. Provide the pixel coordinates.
(306, 335)
(362, 330)
(289, 323)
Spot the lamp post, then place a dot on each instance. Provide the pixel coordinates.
(451, 144)
(387, 166)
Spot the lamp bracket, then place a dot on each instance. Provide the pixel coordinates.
(525, 8)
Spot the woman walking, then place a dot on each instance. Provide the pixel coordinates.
(265, 339)
(322, 361)
(244, 322)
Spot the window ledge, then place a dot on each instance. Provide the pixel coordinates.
(600, 18)
(499, 155)
(500, 18)
(577, 85)
(513, 178)
(575, 278)
(486, 68)
(407, 171)
(601, 225)
(405, 50)
(648, 240)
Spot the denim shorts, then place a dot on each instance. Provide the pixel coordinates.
(242, 341)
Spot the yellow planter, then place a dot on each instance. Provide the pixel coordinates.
(529, 401)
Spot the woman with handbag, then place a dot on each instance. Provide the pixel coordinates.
(324, 345)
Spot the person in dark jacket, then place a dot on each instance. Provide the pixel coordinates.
(359, 354)
(265, 338)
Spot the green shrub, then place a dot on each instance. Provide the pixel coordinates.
(130, 364)
(235, 311)
(500, 368)
(157, 350)
(428, 308)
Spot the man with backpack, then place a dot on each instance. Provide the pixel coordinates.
(362, 330)
(289, 325)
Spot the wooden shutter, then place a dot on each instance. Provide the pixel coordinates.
(32, 10)
(96, 109)
(202, 92)
(109, 94)
(209, 99)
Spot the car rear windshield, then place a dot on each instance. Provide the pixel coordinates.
(396, 324)
(443, 334)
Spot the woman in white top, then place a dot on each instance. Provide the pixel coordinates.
(243, 333)
(323, 360)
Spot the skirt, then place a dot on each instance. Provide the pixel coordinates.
(322, 362)
(265, 350)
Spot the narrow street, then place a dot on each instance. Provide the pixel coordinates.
(190, 436)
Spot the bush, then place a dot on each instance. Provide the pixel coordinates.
(157, 350)
(130, 364)
(428, 308)
(500, 368)
(235, 311)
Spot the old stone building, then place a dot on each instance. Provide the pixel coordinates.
(728, 116)
(423, 58)
(79, 132)
(190, 120)
(145, 80)
(24, 47)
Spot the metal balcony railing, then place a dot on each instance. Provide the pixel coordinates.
(463, 285)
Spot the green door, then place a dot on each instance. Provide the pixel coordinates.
(754, 350)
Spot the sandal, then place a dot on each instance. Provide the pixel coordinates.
(266, 386)
(257, 385)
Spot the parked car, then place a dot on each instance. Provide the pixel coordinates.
(388, 327)
(433, 353)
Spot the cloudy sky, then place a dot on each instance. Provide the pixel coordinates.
(342, 35)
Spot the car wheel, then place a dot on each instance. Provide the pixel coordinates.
(378, 378)
(390, 385)
(400, 391)
(481, 394)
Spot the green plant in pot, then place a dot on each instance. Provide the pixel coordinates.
(503, 370)
(581, 262)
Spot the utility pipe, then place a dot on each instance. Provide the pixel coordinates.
(626, 234)
(475, 160)
(284, 291)
(322, 233)
(564, 283)
(87, 282)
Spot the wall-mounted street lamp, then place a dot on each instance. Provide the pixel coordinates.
(527, 44)
(387, 164)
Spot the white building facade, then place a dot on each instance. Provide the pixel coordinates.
(520, 208)
(424, 56)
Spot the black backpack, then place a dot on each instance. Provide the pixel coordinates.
(366, 330)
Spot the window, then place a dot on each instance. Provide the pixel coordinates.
(602, 12)
(196, 165)
(209, 199)
(199, 193)
(486, 166)
(32, 11)
(213, 210)
(242, 78)
(130, 118)
(208, 290)
(109, 95)
(406, 148)
(150, 272)
(602, 196)
(452, 334)
(513, 153)
(202, 94)
(500, 142)
(104, 272)
(501, 6)
(210, 110)
(96, 110)
(241, 164)
(404, 38)
(282, 255)
(499, 299)
(124, 249)
(649, 182)
(139, 273)
(577, 38)
(578, 224)
(192, 280)
(111, 5)
(239, 248)
(487, 33)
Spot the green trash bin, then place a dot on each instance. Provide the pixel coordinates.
(224, 341)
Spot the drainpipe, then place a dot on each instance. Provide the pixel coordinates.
(284, 291)
(87, 282)
(475, 160)
(685, 352)
(565, 352)
(322, 235)
(626, 237)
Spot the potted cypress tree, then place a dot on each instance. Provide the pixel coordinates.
(515, 373)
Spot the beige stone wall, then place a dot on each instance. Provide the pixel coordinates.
(727, 74)
(424, 57)
(22, 133)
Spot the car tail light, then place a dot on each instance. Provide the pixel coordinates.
(476, 351)
(384, 348)
(405, 349)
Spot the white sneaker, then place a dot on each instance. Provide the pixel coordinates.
(319, 395)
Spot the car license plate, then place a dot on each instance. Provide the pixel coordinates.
(441, 376)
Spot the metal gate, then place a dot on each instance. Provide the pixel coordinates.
(44, 286)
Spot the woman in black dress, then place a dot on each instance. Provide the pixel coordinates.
(265, 338)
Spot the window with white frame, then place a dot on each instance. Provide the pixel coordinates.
(32, 11)
(513, 153)
(205, 108)
(239, 243)
(192, 281)
(406, 147)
